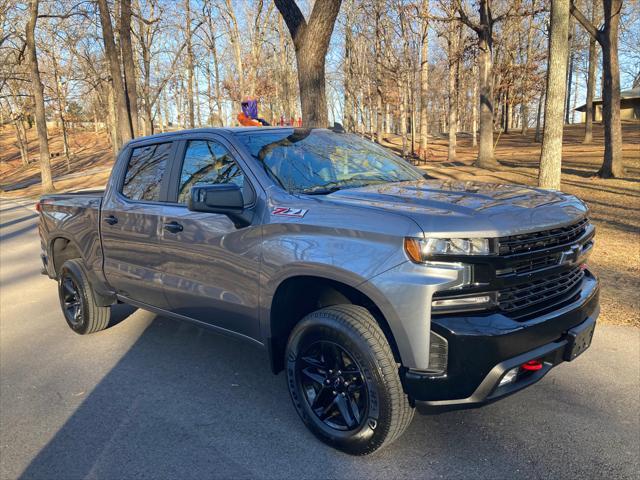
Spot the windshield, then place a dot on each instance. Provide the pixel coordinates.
(320, 161)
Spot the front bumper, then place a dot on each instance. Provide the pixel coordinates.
(482, 348)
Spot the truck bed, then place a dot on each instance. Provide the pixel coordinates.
(72, 220)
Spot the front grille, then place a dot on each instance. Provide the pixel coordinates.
(530, 265)
(537, 295)
(531, 242)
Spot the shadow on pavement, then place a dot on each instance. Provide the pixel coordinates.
(185, 403)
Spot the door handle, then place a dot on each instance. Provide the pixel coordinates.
(173, 227)
(111, 220)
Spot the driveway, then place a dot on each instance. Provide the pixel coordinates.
(154, 398)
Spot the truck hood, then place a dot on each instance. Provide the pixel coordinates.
(452, 208)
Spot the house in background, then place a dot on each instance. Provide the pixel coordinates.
(629, 106)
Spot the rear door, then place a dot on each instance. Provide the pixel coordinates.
(131, 222)
(211, 267)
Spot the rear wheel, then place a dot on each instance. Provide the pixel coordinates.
(77, 300)
(344, 381)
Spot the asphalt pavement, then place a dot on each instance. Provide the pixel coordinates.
(151, 397)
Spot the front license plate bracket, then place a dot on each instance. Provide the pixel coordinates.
(579, 339)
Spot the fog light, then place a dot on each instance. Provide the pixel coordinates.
(509, 377)
(471, 302)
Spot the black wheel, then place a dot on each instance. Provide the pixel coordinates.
(77, 301)
(344, 381)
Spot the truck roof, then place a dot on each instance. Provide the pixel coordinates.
(226, 130)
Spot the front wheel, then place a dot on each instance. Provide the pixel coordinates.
(344, 381)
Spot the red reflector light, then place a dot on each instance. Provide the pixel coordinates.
(532, 365)
(38, 207)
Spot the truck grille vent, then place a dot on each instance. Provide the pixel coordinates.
(531, 265)
(531, 242)
(546, 293)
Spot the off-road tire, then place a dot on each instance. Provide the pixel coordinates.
(355, 331)
(90, 318)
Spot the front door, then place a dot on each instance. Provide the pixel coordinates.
(211, 268)
(131, 224)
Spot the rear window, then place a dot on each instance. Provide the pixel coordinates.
(145, 172)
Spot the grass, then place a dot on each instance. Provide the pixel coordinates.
(614, 203)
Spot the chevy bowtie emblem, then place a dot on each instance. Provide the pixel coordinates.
(570, 256)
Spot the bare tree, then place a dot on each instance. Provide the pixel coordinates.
(607, 37)
(484, 31)
(551, 156)
(453, 38)
(591, 80)
(190, 65)
(526, 82)
(129, 68)
(311, 41)
(424, 78)
(348, 116)
(122, 119)
(38, 98)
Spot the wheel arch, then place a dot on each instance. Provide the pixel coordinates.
(300, 294)
(63, 248)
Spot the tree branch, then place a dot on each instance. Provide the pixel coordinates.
(294, 19)
(586, 24)
(464, 18)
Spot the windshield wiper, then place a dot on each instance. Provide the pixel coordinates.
(332, 187)
(321, 190)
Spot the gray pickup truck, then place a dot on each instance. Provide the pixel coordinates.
(379, 290)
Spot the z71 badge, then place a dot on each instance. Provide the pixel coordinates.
(289, 212)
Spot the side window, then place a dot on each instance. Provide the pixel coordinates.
(145, 171)
(207, 163)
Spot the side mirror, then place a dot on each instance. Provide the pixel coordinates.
(225, 199)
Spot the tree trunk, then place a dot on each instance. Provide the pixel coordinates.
(607, 37)
(123, 125)
(424, 79)
(387, 119)
(234, 33)
(474, 106)
(485, 152)
(114, 134)
(60, 97)
(551, 156)
(403, 119)
(538, 136)
(311, 42)
(21, 136)
(524, 111)
(506, 113)
(412, 103)
(567, 110)
(129, 65)
(94, 111)
(612, 166)
(452, 44)
(591, 87)
(38, 98)
(190, 67)
(145, 44)
(218, 91)
(378, 68)
(348, 117)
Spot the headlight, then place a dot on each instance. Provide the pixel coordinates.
(420, 250)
